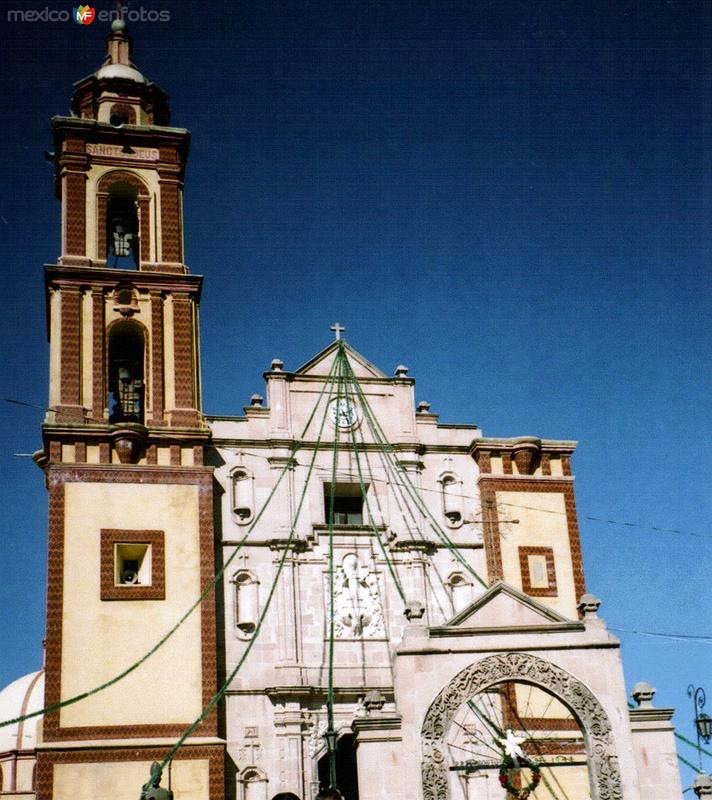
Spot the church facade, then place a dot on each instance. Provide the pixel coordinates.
(331, 590)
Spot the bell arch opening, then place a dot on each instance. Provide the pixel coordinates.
(123, 220)
(489, 709)
(127, 349)
(122, 226)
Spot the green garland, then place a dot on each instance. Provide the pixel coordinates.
(520, 794)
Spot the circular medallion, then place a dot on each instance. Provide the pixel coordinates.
(344, 414)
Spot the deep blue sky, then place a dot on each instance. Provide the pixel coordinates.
(512, 198)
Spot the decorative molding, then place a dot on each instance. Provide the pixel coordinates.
(604, 774)
(156, 590)
(538, 591)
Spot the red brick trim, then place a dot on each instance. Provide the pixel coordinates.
(512, 719)
(102, 249)
(549, 724)
(80, 452)
(104, 453)
(144, 209)
(551, 747)
(507, 463)
(490, 518)
(57, 477)
(527, 588)
(110, 537)
(490, 485)
(183, 351)
(170, 221)
(70, 356)
(157, 406)
(484, 461)
(98, 356)
(75, 211)
(215, 755)
(545, 464)
(175, 455)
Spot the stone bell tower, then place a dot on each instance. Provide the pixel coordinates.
(130, 500)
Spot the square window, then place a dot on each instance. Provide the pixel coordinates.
(538, 571)
(132, 565)
(348, 504)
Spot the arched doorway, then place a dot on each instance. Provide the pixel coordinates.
(346, 771)
(494, 689)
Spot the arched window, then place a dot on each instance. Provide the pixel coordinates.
(452, 499)
(247, 603)
(121, 114)
(243, 501)
(254, 784)
(122, 226)
(123, 220)
(126, 372)
(460, 590)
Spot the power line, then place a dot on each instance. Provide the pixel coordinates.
(673, 637)
(590, 517)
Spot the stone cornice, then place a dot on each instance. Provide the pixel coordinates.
(546, 627)
(498, 647)
(123, 744)
(105, 277)
(643, 715)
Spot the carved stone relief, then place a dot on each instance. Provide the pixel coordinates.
(604, 774)
(357, 604)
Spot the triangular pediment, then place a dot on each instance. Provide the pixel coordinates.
(503, 606)
(320, 365)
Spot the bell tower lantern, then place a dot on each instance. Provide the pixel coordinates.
(130, 498)
(122, 306)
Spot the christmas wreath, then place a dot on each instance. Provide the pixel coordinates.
(510, 764)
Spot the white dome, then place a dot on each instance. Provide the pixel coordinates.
(22, 696)
(120, 71)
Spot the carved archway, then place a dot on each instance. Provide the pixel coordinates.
(604, 774)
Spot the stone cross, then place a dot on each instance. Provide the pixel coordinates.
(337, 328)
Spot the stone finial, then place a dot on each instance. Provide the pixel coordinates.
(256, 401)
(643, 694)
(702, 785)
(588, 605)
(401, 371)
(423, 407)
(373, 701)
(277, 365)
(414, 610)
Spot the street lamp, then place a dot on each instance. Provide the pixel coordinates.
(703, 722)
(702, 786)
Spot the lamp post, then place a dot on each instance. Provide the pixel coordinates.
(703, 722)
(702, 786)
